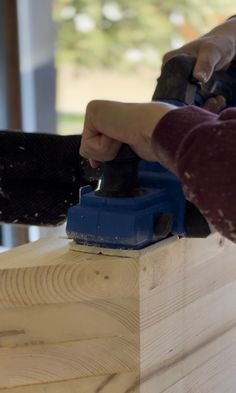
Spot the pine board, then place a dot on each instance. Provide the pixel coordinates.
(160, 321)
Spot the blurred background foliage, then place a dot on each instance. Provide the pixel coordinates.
(123, 33)
(112, 49)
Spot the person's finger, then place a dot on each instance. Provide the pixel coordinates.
(224, 63)
(190, 49)
(98, 147)
(169, 55)
(215, 104)
(207, 59)
(94, 164)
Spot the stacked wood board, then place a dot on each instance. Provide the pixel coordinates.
(159, 321)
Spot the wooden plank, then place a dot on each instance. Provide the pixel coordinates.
(212, 376)
(177, 360)
(65, 361)
(114, 383)
(82, 280)
(66, 314)
(83, 294)
(187, 314)
(167, 311)
(77, 321)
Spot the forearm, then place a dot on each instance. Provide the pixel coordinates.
(200, 148)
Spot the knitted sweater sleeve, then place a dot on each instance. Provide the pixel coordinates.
(200, 147)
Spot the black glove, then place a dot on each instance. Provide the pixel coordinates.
(40, 177)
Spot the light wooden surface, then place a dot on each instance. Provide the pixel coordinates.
(188, 317)
(114, 383)
(78, 322)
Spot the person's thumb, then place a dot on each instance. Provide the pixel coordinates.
(207, 59)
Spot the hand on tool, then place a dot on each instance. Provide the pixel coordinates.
(214, 51)
(193, 143)
(108, 124)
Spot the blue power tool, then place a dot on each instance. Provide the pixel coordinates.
(138, 202)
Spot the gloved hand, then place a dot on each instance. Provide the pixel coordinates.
(40, 177)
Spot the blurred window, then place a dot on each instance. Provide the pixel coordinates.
(112, 49)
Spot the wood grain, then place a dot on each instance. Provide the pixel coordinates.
(187, 316)
(114, 383)
(75, 322)
(66, 315)
(68, 282)
(65, 361)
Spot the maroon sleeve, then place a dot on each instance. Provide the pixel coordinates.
(200, 147)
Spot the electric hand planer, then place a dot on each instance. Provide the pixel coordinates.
(138, 203)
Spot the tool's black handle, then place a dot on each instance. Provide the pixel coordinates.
(176, 84)
(120, 175)
(223, 83)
